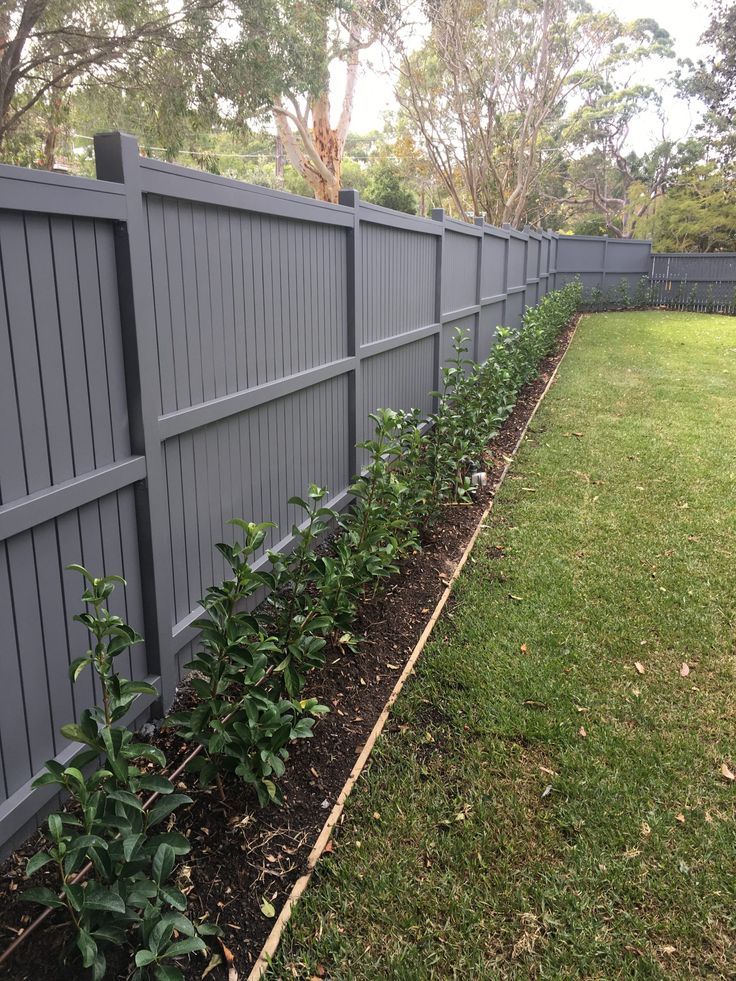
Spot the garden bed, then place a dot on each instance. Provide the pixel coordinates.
(245, 859)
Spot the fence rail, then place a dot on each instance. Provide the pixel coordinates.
(177, 349)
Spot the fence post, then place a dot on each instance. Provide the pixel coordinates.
(506, 254)
(539, 267)
(605, 263)
(438, 214)
(480, 222)
(117, 160)
(351, 199)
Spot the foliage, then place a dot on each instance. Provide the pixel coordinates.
(387, 187)
(48, 47)
(495, 95)
(241, 720)
(713, 80)
(292, 71)
(476, 398)
(132, 859)
(698, 214)
(294, 610)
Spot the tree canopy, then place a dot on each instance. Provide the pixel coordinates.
(520, 110)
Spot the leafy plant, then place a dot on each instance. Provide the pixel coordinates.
(642, 294)
(294, 611)
(109, 828)
(623, 294)
(241, 721)
(380, 527)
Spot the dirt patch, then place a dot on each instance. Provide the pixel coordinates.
(242, 855)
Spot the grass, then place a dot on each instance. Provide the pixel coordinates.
(539, 807)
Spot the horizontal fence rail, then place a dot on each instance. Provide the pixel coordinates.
(177, 349)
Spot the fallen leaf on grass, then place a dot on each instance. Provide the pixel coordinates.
(639, 667)
(684, 670)
(547, 790)
(645, 829)
(669, 949)
(680, 817)
(516, 599)
(582, 732)
(523, 648)
(727, 772)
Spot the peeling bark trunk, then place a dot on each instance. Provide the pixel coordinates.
(316, 149)
(329, 149)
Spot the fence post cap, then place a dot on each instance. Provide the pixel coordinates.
(115, 153)
(349, 197)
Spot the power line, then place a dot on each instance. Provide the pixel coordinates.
(265, 155)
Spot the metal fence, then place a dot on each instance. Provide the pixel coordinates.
(177, 349)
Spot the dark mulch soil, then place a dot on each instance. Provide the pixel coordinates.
(242, 855)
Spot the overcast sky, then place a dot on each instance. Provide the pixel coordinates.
(685, 20)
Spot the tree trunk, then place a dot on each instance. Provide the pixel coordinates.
(327, 144)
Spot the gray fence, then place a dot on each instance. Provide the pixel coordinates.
(177, 349)
(694, 282)
(603, 264)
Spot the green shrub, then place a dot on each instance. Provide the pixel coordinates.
(132, 860)
(242, 721)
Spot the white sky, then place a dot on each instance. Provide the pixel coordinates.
(684, 20)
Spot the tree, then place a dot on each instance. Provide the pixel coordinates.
(698, 213)
(387, 187)
(291, 47)
(713, 79)
(314, 146)
(489, 92)
(49, 46)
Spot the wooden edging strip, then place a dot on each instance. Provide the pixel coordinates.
(274, 938)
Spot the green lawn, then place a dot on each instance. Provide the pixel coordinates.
(540, 807)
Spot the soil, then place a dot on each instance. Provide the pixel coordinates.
(241, 854)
